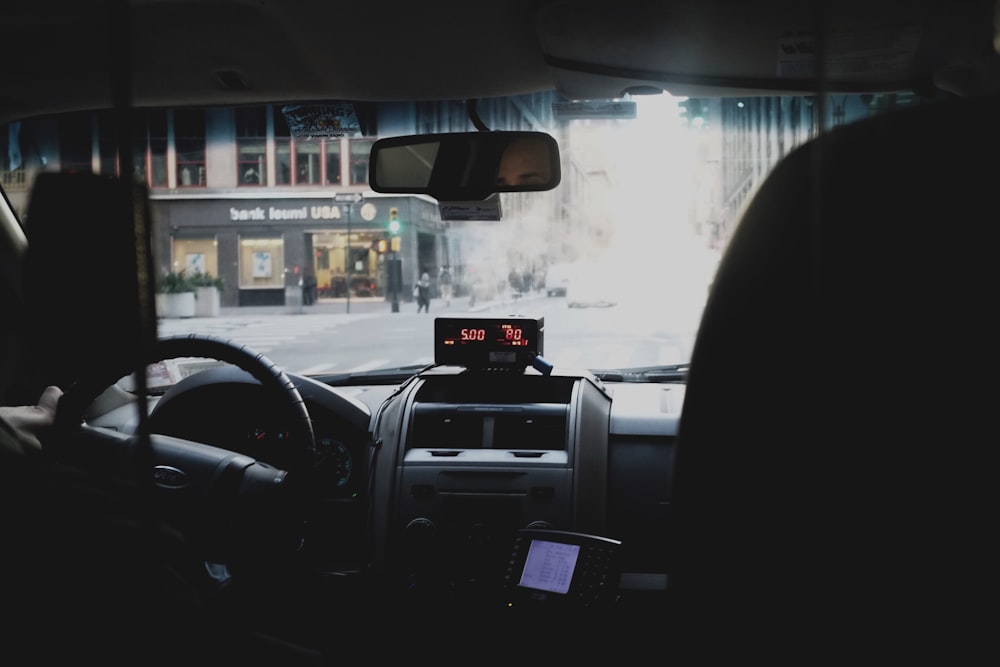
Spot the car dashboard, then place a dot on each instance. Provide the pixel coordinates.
(440, 489)
(472, 460)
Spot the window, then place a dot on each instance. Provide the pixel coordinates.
(189, 142)
(195, 256)
(282, 150)
(332, 161)
(251, 145)
(305, 154)
(12, 173)
(360, 150)
(262, 263)
(307, 162)
(150, 161)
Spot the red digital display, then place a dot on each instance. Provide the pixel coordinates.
(480, 341)
(507, 334)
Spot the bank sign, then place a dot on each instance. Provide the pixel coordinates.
(315, 212)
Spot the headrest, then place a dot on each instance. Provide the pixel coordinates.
(87, 283)
(837, 401)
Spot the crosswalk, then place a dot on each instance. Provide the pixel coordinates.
(262, 333)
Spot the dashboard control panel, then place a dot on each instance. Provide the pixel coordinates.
(553, 567)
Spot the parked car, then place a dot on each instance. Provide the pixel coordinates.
(557, 279)
(807, 481)
(592, 286)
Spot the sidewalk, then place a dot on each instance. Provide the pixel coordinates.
(376, 304)
(324, 306)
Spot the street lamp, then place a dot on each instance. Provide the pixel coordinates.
(395, 273)
(350, 199)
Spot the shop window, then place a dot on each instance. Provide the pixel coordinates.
(323, 258)
(189, 144)
(262, 263)
(196, 256)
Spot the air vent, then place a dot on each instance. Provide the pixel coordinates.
(532, 431)
(441, 430)
(540, 426)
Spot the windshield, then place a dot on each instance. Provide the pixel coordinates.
(273, 238)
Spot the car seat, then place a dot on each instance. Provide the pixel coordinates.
(88, 568)
(830, 489)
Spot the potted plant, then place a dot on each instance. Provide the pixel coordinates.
(175, 295)
(207, 292)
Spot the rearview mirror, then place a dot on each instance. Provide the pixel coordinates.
(465, 166)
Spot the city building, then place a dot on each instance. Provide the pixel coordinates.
(241, 194)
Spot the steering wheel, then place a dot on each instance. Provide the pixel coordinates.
(234, 509)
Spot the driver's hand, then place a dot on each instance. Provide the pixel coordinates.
(23, 427)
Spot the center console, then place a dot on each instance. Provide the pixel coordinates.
(482, 448)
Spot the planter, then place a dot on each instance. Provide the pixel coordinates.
(179, 304)
(206, 302)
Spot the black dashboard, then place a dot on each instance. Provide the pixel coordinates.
(469, 458)
(432, 486)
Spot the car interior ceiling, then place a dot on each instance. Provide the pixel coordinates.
(841, 372)
(568, 45)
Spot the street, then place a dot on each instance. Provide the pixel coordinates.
(324, 338)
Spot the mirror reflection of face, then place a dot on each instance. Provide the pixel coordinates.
(524, 162)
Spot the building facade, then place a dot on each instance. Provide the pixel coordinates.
(742, 139)
(238, 193)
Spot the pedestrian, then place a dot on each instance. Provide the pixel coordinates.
(514, 278)
(309, 288)
(422, 290)
(445, 282)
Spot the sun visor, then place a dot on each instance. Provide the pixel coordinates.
(600, 51)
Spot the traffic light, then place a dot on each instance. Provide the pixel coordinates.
(394, 220)
(395, 245)
(692, 111)
(381, 245)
